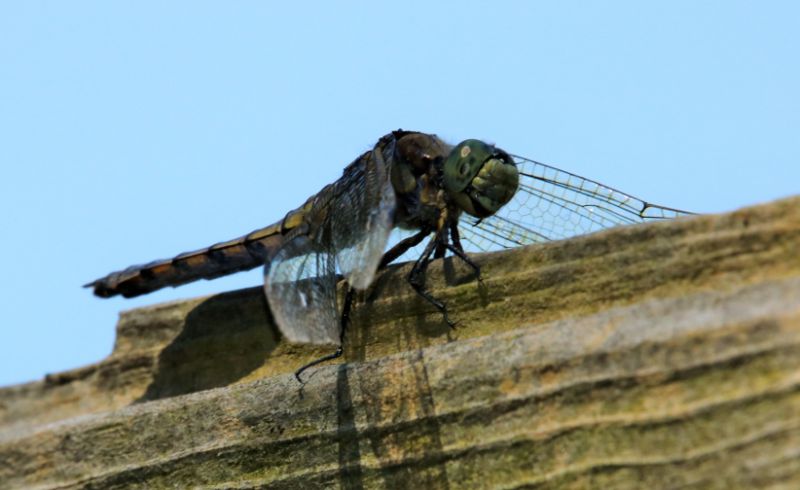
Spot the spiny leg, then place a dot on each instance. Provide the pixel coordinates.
(402, 247)
(344, 321)
(458, 250)
(441, 249)
(417, 277)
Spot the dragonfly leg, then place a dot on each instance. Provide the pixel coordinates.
(393, 253)
(344, 321)
(441, 248)
(463, 256)
(458, 251)
(416, 278)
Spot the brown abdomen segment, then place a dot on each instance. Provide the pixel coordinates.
(240, 254)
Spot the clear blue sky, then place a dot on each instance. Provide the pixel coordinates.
(131, 131)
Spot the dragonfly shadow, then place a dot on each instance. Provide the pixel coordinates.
(456, 273)
(350, 471)
(409, 453)
(223, 339)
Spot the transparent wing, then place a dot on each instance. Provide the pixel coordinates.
(362, 220)
(300, 285)
(344, 231)
(552, 204)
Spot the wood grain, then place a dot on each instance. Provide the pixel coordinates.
(659, 356)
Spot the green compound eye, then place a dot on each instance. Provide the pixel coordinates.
(464, 163)
(480, 178)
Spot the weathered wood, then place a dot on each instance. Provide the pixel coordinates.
(662, 355)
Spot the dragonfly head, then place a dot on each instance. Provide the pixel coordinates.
(480, 178)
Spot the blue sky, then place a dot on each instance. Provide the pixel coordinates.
(131, 131)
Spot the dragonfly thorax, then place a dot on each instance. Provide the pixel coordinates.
(480, 178)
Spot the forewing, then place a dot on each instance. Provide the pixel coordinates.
(300, 285)
(362, 216)
(552, 204)
(345, 230)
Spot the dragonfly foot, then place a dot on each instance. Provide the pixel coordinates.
(450, 323)
(313, 363)
(459, 252)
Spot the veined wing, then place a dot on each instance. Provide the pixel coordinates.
(552, 204)
(346, 227)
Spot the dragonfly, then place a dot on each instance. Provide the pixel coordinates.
(468, 197)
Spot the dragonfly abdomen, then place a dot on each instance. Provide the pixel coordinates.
(240, 254)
